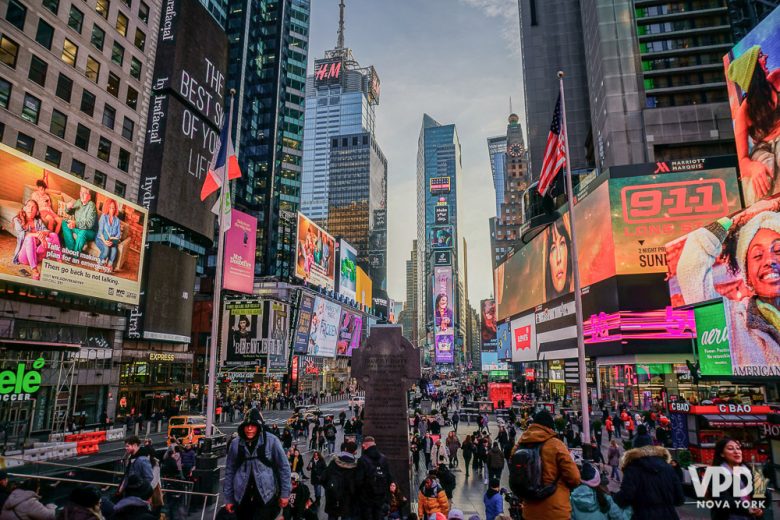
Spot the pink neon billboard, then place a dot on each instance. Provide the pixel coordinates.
(239, 261)
(665, 323)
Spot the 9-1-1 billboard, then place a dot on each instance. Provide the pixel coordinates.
(62, 233)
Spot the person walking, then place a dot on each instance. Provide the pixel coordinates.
(613, 460)
(414, 448)
(427, 449)
(609, 426)
(468, 452)
(137, 501)
(493, 500)
(440, 454)
(495, 462)
(431, 498)
(455, 420)
(591, 501)
(257, 473)
(642, 437)
(138, 463)
(397, 503)
(453, 445)
(316, 469)
(373, 479)
(339, 483)
(650, 485)
(300, 496)
(557, 466)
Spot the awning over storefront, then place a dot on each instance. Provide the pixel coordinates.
(20, 344)
(735, 421)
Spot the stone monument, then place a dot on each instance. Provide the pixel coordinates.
(386, 368)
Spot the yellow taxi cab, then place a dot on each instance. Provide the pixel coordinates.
(188, 429)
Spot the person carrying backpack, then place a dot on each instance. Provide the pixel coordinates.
(431, 498)
(373, 480)
(591, 501)
(339, 483)
(541, 471)
(257, 473)
(330, 437)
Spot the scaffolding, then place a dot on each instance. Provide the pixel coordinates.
(61, 410)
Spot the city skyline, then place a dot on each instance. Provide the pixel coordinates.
(487, 71)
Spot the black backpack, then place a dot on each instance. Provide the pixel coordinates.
(378, 478)
(525, 473)
(335, 486)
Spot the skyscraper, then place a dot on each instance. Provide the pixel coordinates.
(497, 153)
(409, 321)
(438, 179)
(341, 97)
(268, 53)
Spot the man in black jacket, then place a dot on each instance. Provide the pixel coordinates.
(373, 481)
(650, 484)
(339, 483)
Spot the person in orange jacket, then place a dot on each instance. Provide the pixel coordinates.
(431, 498)
(630, 427)
(609, 427)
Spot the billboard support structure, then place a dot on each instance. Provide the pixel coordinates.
(224, 199)
(576, 275)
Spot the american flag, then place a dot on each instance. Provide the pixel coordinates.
(554, 153)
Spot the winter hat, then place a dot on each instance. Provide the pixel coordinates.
(641, 430)
(456, 514)
(252, 417)
(88, 496)
(741, 70)
(295, 476)
(589, 476)
(494, 482)
(765, 220)
(138, 487)
(544, 418)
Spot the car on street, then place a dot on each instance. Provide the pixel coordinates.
(357, 400)
(310, 413)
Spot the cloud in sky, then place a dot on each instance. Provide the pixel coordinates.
(455, 60)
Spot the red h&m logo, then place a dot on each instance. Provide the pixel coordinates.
(328, 71)
(523, 338)
(662, 167)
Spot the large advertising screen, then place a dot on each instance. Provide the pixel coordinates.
(488, 325)
(350, 329)
(442, 237)
(504, 341)
(490, 362)
(364, 288)
(242, 332)
(62, 233)
(323, 333)
(524, 343)
(444, 345)
(752, 71)
(347, 270)
(168, 307)
(712, 340)
(239, 260)
(315, 254)
(443, 314)
(278, 346)
(305, 310)
(736, 258)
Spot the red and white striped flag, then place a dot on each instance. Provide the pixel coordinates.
(554, 153)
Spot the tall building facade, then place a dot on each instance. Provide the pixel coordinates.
(267, 60)
(497, 153)
(217, 9)
(409, 321)
(438, 179)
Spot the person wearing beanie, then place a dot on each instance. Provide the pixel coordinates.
(757, 122)
(339, 481)
(257, 473)
(753, 307)
(137, 500)
(642, 437)
(493, 500)
(650, 485)
(456, 514)
(557, 467)
(591, 500)
(83, 504)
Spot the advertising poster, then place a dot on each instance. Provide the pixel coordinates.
(556, 326)
(167, 311)
(323, 333)
(488, 325)
(524, 338)
(736, 259)
(350, 329)
(504, 341)
(242, 332)
(278, 350)
(444, 345)
(441, 237)
(301, 341)
(315, 250)
(650, 210)
(440, 185)
(442, 258)
(364, 288)
(59, 232)
(752, 70)
(441, 214)
(712, 339)
(240, 242)
(443, 303)
(347, 270)
(490, 362)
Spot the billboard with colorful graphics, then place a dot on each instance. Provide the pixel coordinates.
(524, 338)
(315, 253)
(59, 232)
(347, 270)
(504, 341)
(239, 260)
(443, 314)
(712, 340)
(305, 310)
(278, 346)
(350, 329)
(242, 332)
(323, 333)
(444, 345)
(364, 288)
(488, 325)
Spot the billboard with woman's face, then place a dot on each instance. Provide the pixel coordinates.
(60, 232)
(736, 258)
(752, 71)
(488, 326)
(315, 253)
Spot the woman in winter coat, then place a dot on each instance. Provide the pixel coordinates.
(397, 503)
(24, 503)
(296, 463)
(453, 444)
(468, 452)
(613, 460)
(590, 501)
(495, 462)
(439, 454)
(728, 455)
(431, 498)
(316, 468)
(503, 436)
(414, 447)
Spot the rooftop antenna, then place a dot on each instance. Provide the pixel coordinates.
(510, 105)
(340, 39)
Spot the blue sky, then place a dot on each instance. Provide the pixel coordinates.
(457, 60)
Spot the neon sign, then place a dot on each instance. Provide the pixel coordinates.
(688, 200)
(21, 384)
(668, 323)
(327, 70)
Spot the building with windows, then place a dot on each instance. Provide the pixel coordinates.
(74, 85)
(268, 53)
(217, 9)
(497, 152)
(409, 316)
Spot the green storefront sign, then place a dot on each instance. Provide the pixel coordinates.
(712, 339)
(20, 384)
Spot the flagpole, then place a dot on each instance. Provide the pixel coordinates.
(577, 286)
(216, 306)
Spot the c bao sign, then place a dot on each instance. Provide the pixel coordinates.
(21, 384)
(679, 407)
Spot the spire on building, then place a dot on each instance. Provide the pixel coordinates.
(340, 39)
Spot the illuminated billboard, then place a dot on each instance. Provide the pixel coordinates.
(350, 329)
(504, 341)
(442, 237)
(60, 232)
(491, 362)
(443, 314)
(347, 270)
(328, 72)
(323, 333)
(239, 259)
(488, 325)
(441, 214)
(736, 258)
(442, 258)
(444, 345)
(752, 68)
(305, 311)
(278, 346)
(242, 332)
(364, 288)
(524, 344)
(439, 185)
(315, 254)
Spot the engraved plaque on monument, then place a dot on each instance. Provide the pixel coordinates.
(386, 368)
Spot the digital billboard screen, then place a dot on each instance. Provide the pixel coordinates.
(488, 325)
(350, 329)
(439, 185)
(239, 259)
(364, 288)
(323, 333)
(524, 344)
(60, 232)
(442, 237)
(444, 345)
(242, 332)
(443, 314)
(752, 70)
(168, 307)
(347, 270)
(441, 214)
(442, 258)
(315, 254)
(328, 72)
(301, 340)
(504, 341)
(734, 258)
(278, 346)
